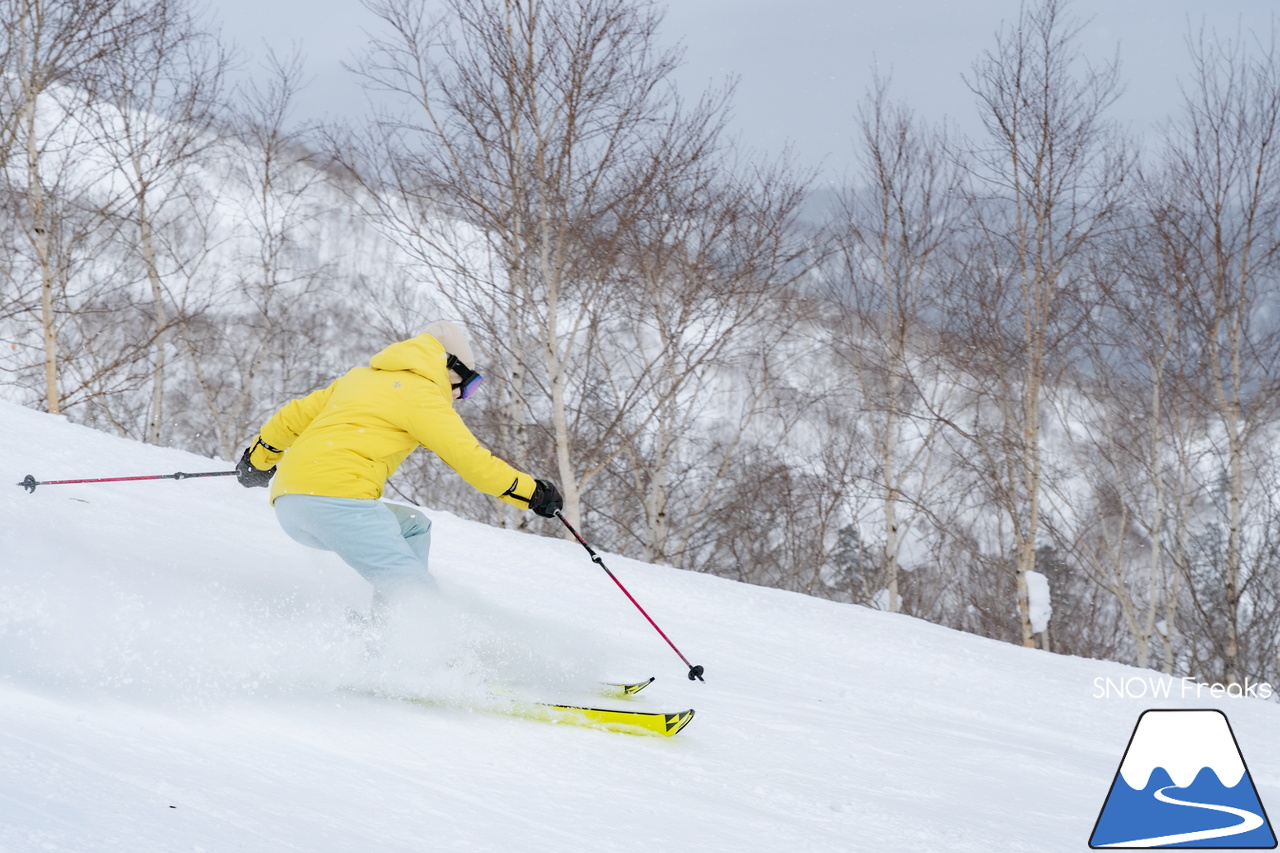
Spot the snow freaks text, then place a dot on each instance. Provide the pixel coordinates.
(1187, 687)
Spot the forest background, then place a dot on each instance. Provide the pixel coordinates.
(1019, 381)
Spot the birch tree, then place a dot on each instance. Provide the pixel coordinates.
(53, 51)
(270, 295)
(531, 134)
(161, 95)
(1133, 434)
(895, 241)
(703, 282)
(1046, 182)
(1221, 223)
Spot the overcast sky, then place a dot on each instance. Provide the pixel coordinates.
(802, 65)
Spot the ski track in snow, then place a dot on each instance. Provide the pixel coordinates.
(175, 676)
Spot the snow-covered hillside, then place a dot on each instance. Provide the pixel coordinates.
(176, 675)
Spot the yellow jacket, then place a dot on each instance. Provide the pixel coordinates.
(344, 441)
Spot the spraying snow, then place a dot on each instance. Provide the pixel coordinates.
(176, 674)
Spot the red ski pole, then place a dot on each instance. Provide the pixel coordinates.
(695, 672)
(30, 482)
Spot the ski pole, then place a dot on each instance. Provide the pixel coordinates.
(695, 672)
(30, 482)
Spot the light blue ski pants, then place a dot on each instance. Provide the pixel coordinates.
(386, 543)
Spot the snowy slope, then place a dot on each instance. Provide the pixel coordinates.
(175, 674)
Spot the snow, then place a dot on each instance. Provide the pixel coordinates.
(1039, 602)
(177, 675)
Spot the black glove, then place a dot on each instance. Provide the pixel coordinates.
(250, 476)
(546, 500)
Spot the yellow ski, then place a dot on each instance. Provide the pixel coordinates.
(627, 722)
(623, 689)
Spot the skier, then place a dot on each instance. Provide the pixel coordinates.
(328, 455)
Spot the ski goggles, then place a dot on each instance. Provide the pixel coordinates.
(469, 379)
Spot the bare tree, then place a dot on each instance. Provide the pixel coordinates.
(1220, 224)
(1044, 186)
(259, 340)
(533, 133)
(702, 286)
(160, 96)
(898, 227)
(53, 51)
(1132, 432)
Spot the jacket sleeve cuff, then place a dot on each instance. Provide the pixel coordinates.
(520, 492)
(263, 456)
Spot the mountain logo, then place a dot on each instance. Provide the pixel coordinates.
(1183, 783)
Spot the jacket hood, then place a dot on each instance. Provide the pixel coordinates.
(423, 355)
